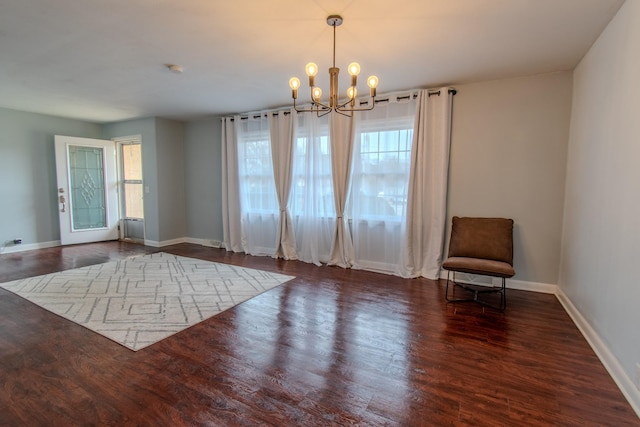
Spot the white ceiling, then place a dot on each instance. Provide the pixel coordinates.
(104, 60)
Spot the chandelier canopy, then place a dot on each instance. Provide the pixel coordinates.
(317, 105)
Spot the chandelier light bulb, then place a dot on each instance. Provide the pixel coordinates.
(352, 92)
(294, 83)
(372, 82)
(354, 69)
(316, 94)
(311, 69)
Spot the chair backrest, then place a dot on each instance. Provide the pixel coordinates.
(486, 238)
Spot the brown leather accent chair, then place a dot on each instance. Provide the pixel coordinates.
(482, 246)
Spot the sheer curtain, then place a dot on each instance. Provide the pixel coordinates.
(231, 227)
(368, 192)
(380, 183)
(281, 127)
(428, 182)
(259, 208)
(341, 134)
(312, 202)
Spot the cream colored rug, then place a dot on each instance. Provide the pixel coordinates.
(141, 300)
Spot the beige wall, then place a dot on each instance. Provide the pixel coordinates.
(508, 159)
(171, 167)
(601, 232)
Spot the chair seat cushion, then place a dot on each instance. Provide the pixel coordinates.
(485, 267)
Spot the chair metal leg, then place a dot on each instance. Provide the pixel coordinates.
(477, 291)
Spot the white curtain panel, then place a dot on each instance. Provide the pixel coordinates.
(426, 213)
(281, 127)
(230, 188)
(260, 211)
(341, 134)
(368, 192)
(311, 202)
(378, 199)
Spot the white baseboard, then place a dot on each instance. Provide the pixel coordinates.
(204, 242)
(29, 247)
(153, 243)
(156, 244)
(474, 279)
(523, 285)
(608, 359)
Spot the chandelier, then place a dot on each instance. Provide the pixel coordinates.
(317, 105)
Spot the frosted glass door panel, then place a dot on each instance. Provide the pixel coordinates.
(86, 173)
(87, 192)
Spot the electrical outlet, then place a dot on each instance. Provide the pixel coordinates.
(17, 241)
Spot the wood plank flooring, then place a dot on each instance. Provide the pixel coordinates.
(331, 347)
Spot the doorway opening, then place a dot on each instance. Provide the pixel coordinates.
(131, 188)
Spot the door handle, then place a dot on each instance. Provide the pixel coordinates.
(62, 200)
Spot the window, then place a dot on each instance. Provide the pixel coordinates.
(382, 156)
(381, 232)
(258, 191)
(380, 185)
(132, 180)
(311, 201)
(259, 206)
(311, 181)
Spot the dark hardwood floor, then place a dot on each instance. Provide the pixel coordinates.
(331, 347)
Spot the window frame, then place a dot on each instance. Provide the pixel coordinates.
(380, 126)
(123, 199)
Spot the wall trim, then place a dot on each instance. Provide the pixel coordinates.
(156, 244)
(153, 243)
(28, 247)
(204, 242)
(608, 359)
(522, 285)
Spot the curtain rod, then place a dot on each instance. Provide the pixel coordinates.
(437, 92)
(415, 95)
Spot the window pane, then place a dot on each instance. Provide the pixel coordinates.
(381, 170)
(257, 184)
(312, 183)
(132, 161)
(133, 201)
(86, 170)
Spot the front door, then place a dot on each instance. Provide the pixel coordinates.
(87, 189)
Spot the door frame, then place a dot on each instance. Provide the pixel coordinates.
(120, 141)
(68, 235)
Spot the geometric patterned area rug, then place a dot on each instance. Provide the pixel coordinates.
(141, 300)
